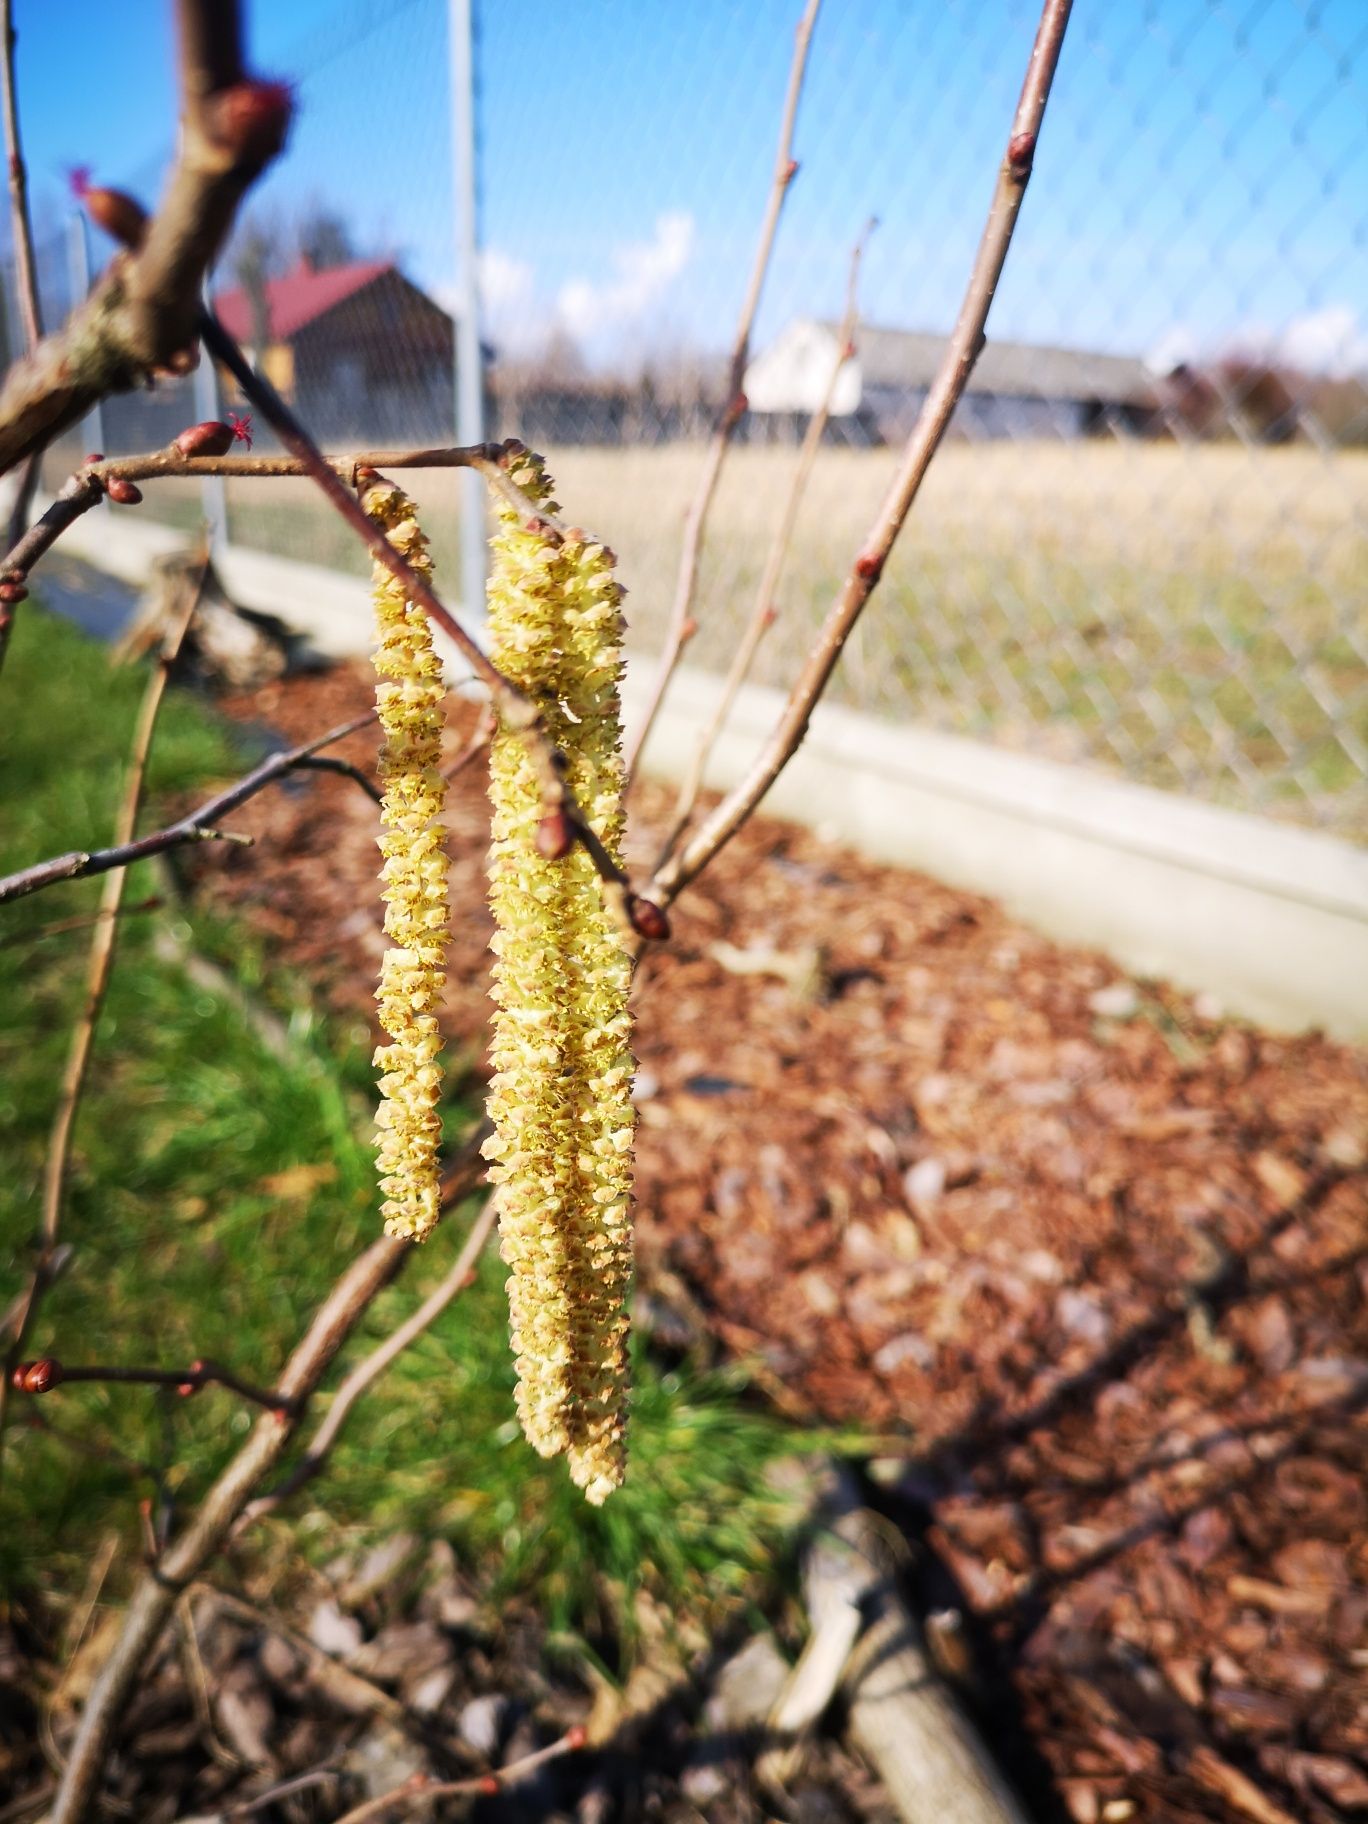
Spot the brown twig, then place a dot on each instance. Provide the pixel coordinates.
(461, 1275)
(26, 277)
(421, 1791)
(97, 977)
(86, 488)
(766, 609)
(42, 1376)
(153, 1600)
(680, 627)
(62, 927)
(21, 225)
(479, 740)
(516, 710)
(140, 317)
(199, 826)
(962, 350)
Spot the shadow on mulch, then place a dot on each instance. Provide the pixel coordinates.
(1089, 1258)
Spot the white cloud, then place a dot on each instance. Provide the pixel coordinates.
(642, 273)
(506, 284)
(1331, 341)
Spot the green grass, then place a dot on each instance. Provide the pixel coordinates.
(188, 1241)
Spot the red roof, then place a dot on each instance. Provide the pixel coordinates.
(297, 299)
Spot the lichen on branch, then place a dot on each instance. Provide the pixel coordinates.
(409, 694)
(560, 1097)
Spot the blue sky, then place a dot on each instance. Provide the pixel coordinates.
(1202, 180)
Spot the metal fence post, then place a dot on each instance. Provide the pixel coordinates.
(469, 363)
(78, 272)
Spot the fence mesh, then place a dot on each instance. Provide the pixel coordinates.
(1145, 546)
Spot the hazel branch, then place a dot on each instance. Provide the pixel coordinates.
(101, 960)
(44, 1375)
(681, 627)
(141, 316)
(26, 283)
(957, 363)
(199, 826)
(420, 1790)
(369, 1370)
(766, 610)
(516, 710)
(154, 1599)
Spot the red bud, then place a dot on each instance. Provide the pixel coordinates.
(576, 1738)
(36, 1377)
(95, 456)
(1020, 152)
(870, 567)
(687, 631)
(488, 1785)
(121, 216)
(123, 491)
(252, 119)
(13, 592)
(790, 170)
(211, 437)
(555, 836)
(648, 920)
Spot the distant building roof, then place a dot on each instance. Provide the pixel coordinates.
(298, 298)
(910, 358)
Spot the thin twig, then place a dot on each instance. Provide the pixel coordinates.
(419, 1791)
(515, 708)
(461, 1275)
(681, 627)
(962, 350)
(766, 610)
(479, 740)
(153, 1599)
(86, 487)
(44, 1375)
(26, 278)
(21, 224)
(62, 927)
(97, 977)
(199, 826)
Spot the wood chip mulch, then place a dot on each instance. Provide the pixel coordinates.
(1091, 1258)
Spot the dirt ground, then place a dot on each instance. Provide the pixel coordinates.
(1089, 1258)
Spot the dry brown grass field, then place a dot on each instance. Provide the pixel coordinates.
(1194, 617)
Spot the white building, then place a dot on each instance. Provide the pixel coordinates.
(1016, 390)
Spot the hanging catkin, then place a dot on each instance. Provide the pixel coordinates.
(561, 1093)
(409, 699)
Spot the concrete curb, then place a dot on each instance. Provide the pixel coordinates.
(1271, 920)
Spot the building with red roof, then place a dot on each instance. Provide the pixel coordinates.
(358, 349)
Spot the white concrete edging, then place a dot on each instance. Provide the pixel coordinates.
(1271, 920)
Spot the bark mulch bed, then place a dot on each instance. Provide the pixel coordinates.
(1093, 1256)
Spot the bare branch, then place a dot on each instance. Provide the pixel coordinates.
(766, 609)
(153, 1601)
(44, 1375)
(26, 279)
(97, 980)
(21, 224)
(962, 350)
(461, 1276)
(141, 316)
(419, 1792)
(516, 710)
(680, 627)
(199, 826)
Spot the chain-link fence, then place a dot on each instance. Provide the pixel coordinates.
(1145, 546)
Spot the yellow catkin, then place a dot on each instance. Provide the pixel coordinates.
(560, 1097)
(408, 696)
